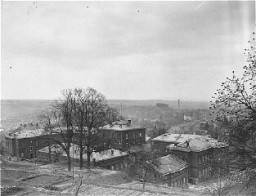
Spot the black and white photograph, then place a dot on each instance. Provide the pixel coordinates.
(123, 98)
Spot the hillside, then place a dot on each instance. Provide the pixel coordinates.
(16, 112)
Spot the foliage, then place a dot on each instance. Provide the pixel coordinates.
(234, 110)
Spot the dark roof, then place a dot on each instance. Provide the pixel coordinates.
(169, 164)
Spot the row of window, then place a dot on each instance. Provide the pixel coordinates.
(179, 183)
(204, 158)
(204, 172)
(132, 136)
(119, 166)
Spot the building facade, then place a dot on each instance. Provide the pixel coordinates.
(112, 159)
(123, 134)
(198, 151)
(26, 140)
(170, 171)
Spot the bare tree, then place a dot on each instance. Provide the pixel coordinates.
(234, 109)
(59, 123)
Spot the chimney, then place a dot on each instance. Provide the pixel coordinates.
(129, 122)
(112, 152)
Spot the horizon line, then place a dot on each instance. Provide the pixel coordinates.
(115, 99)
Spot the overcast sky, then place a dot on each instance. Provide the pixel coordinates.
(125, 50)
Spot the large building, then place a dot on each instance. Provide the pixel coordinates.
(26, 140)
(198, 151)
(123, 134)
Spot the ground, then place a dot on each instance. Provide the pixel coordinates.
(26, 178)
(30, 179)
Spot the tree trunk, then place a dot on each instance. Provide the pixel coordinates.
(88, 148)
(68, 157)
(81, 149)
(88, 157)
(144, 178)
(50, 153)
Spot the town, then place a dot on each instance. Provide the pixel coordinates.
(128, 98)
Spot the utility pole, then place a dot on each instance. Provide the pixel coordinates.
(121, 111)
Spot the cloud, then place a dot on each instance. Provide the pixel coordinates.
(117, 46)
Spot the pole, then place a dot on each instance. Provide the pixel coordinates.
(121, 111)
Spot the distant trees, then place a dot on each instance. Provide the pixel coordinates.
(234, 108)
(78, 114)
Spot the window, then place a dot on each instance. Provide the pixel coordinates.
(200, 160)
(31, 148)
(126, 135)
(140, 134)
(36, 143)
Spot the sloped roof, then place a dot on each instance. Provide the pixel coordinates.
(188, 142)
(197, 144)
(26, 133)
(75, 153)
(175, 138)
(121, 126)
(169, 164)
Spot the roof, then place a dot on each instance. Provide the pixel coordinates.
(169, 164)
(75, 153)
(175, 138)
(187, 142)
(26, 133)
(121, 126)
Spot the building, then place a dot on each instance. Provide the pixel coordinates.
(24, 141)
(197, 150)
(108, 159)
(170, 171)
(123, 134)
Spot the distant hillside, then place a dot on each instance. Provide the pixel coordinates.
(15, 112)
(172, 104)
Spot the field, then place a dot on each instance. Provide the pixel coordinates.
(35, 179)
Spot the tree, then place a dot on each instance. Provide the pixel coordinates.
(90, 112)
(141, 162)
(234, 108)
(59, 123)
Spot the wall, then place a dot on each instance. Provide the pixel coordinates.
(177, 179)
(119, 138)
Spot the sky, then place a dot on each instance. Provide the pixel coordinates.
(125, 50)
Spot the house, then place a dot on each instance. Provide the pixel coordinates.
(123, 134)
(197, 150)
(108, 159)
(170, 171)
(24, 141)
